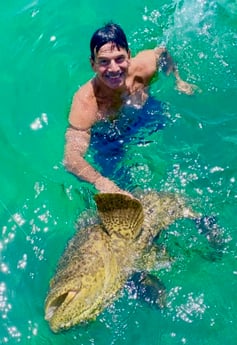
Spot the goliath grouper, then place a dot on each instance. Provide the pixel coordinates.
(101, 258)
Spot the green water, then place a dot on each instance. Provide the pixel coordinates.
(44, 58)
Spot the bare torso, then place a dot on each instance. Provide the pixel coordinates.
(94, 101)
(119, 80)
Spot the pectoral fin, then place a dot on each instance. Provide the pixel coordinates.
(148, 288)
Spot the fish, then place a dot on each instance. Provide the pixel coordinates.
(103, 256)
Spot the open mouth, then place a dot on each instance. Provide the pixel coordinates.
(55, 304)
(114, 78)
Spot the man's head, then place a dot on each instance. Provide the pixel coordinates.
(109, 33)
(110, 56)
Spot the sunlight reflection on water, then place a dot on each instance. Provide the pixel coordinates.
(45, 55)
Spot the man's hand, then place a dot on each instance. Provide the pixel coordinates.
(185, 87)
(104, 185)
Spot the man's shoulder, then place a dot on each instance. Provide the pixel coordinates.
(84, 107)
(151, 54)
(144, 62)
(85, 92)
(144, 55)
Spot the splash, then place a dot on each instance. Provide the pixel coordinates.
(230, 6)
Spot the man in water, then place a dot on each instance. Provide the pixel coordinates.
(119, 79)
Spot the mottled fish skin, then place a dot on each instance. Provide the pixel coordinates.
(100, 258)
(90, 271)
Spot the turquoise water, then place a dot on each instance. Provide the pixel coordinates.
(44, 58)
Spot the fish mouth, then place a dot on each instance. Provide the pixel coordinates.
(58, 314)
(58, 302)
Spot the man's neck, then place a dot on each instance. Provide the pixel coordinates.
(103, 90)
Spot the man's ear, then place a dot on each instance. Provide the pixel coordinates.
(129, 54)
(92, 62)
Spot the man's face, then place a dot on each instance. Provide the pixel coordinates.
(111, 65)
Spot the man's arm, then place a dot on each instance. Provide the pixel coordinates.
(159, 58)
(81, 118)
(167, 65)
(77, 142)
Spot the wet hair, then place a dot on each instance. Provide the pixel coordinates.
(109, 33)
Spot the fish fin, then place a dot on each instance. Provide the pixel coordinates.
(120, 214)
(147, 288)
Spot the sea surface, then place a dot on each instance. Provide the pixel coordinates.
(44, 59)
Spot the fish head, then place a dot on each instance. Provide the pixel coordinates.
(74, 301)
